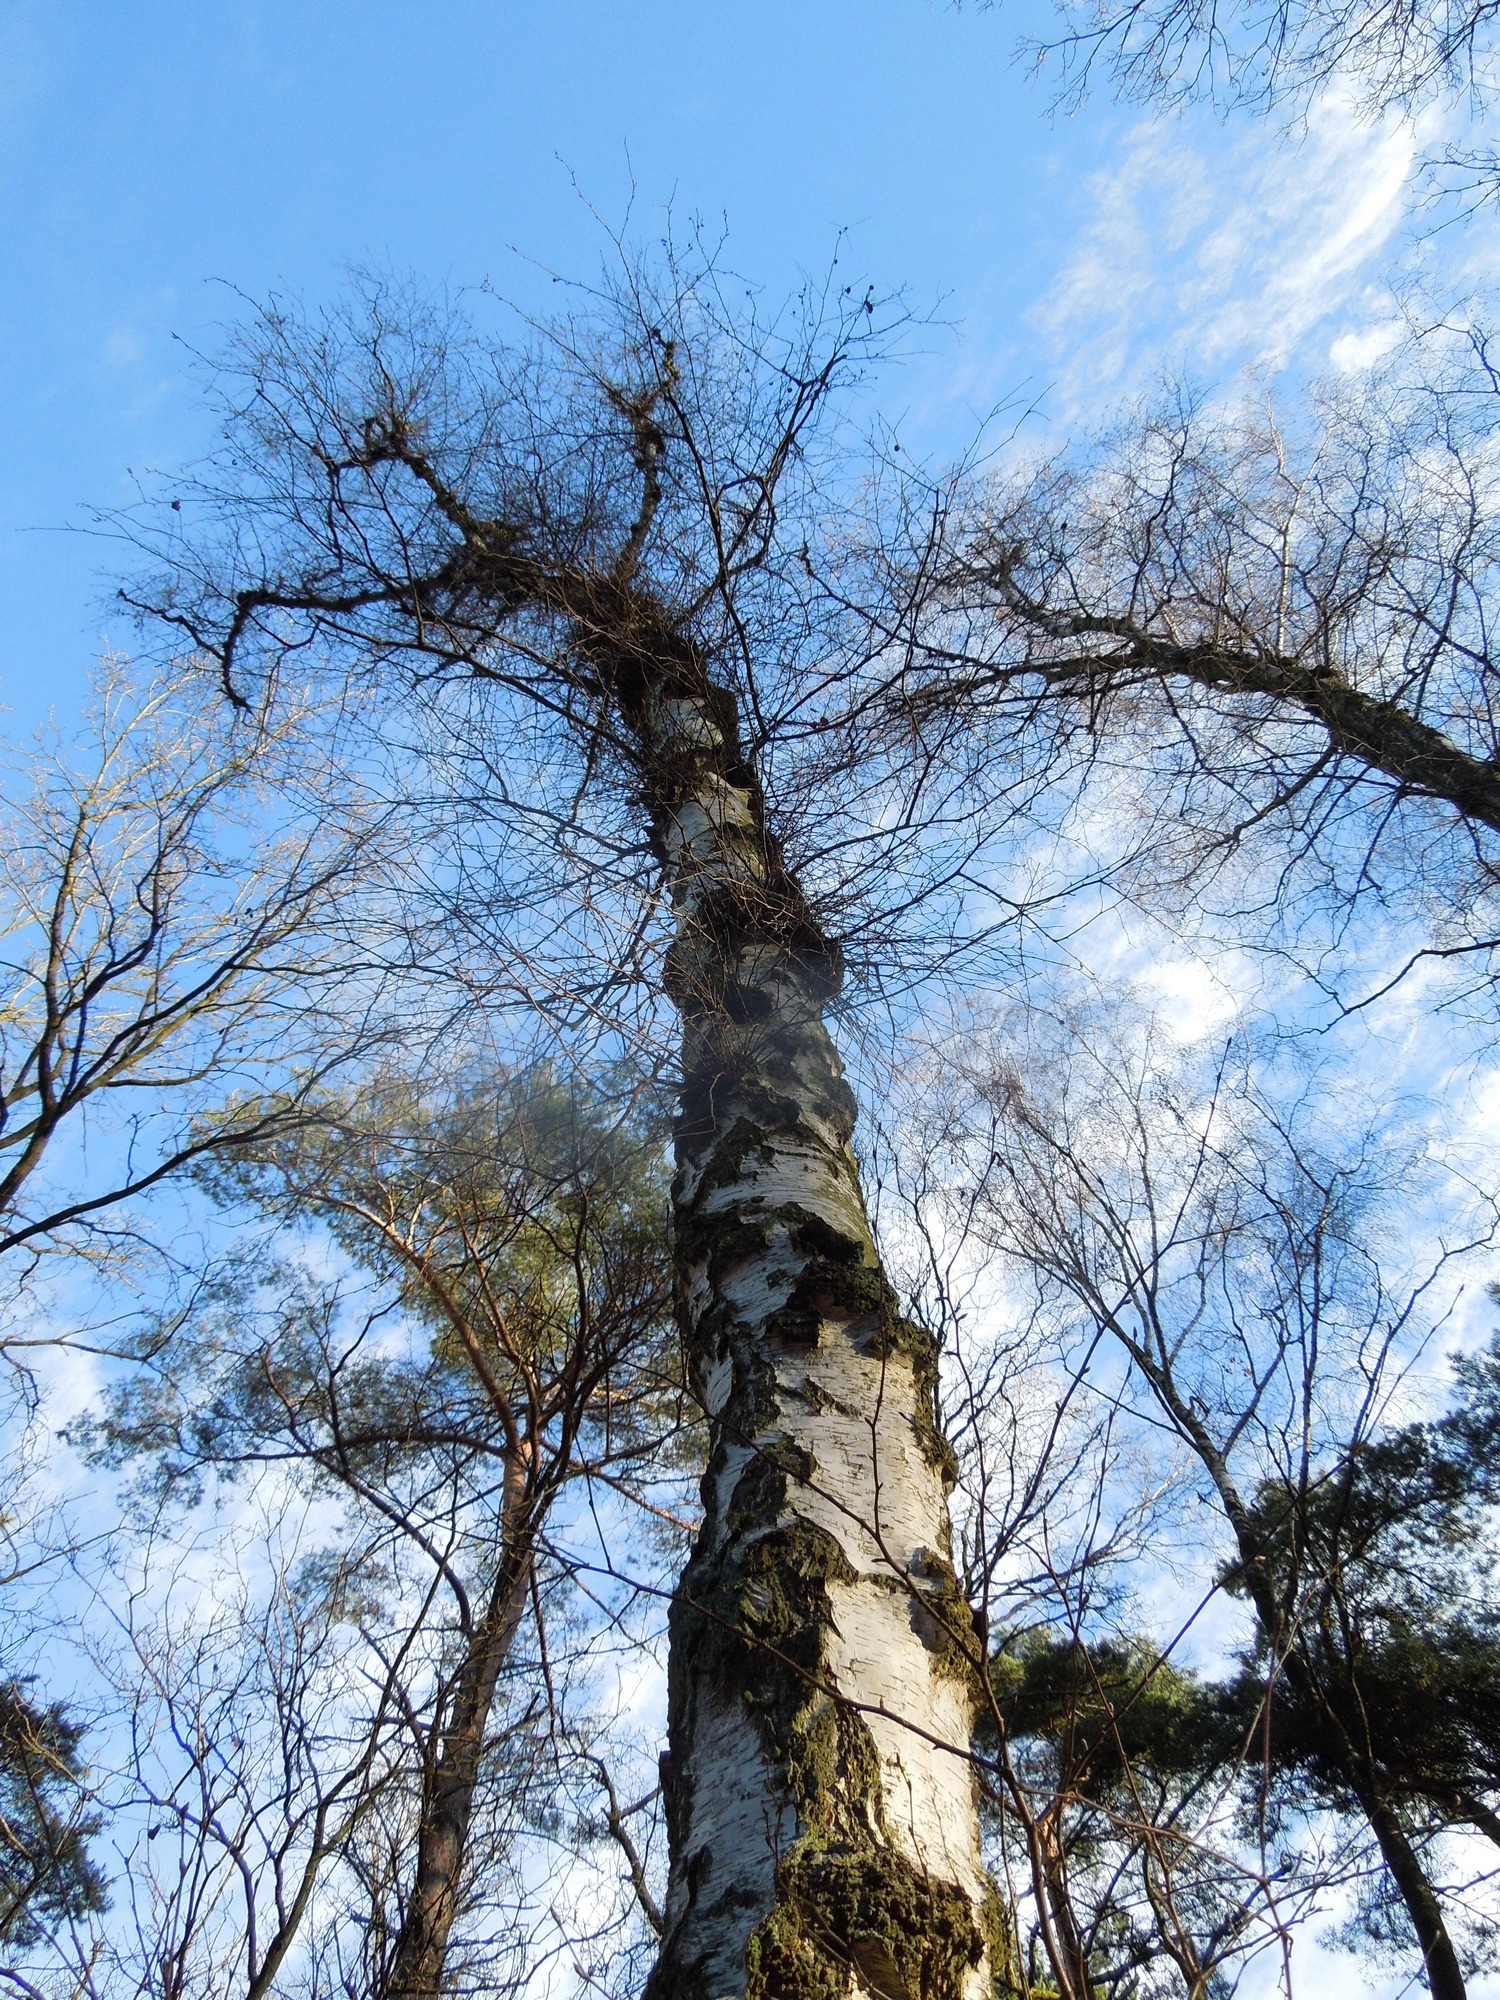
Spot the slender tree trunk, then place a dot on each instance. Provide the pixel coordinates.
(822, 1815)
(1060, 1905)
(417, 1964)
(1439, 1960)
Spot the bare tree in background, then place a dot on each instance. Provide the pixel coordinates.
(177, 892)
(1115, 1782)
(1387, 56)
(263, 1711)
(174, 903)
(520, 1225)
(1227, 1259)
(1260, 649)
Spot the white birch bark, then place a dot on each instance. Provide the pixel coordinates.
(822, 1812)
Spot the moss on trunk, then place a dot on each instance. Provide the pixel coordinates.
(818, 1845)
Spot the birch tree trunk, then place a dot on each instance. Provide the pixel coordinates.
(822, 1812)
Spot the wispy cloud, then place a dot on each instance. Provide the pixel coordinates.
(1223, 248)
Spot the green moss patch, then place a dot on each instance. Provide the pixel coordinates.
(868, 1911)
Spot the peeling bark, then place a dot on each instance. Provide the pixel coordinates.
(822, 1813)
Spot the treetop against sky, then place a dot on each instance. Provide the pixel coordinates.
(147, 153)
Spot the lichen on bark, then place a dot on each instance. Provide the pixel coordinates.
(821, 1813)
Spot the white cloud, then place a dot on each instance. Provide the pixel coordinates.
(1222, 248)
(1351, 353)
(1195, 998)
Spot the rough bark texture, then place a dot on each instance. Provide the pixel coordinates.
(420, 1957)
(1445, 1979)
(821, 1812)
(1386, 736)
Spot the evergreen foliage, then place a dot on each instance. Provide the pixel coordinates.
(47, 1874)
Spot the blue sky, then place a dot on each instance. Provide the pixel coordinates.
(153, 152)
